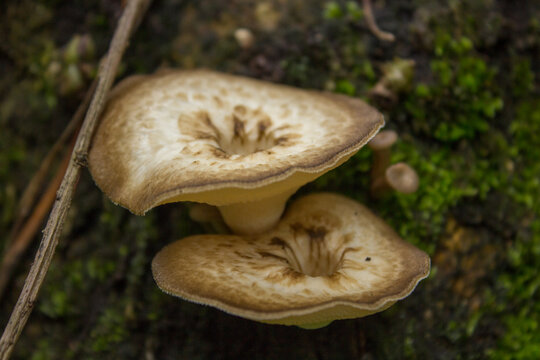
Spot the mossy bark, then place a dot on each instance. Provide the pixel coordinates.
(468, 121)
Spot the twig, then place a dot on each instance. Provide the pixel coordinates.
(106, 74)
(372, 25)
(28, 231)
(29, 196)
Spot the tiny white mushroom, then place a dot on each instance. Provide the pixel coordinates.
(240, 144)
(399, 177)
(244, 37)
(329, 258)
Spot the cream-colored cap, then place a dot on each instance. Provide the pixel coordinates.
(210, 137)
(329, 258)
(383, 140)
(402, 178)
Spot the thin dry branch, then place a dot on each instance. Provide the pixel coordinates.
(131, 15)
(372, 25)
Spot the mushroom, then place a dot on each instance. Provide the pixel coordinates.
(329, 258)
(381, 145)
(399, 177)
(241, 144)
(244, 37)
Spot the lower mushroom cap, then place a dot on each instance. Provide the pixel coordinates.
(329, 258)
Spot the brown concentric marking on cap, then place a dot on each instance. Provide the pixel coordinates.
(156, 127)
(264, 277)
(262, 126)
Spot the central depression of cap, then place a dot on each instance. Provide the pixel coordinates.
(176, 133)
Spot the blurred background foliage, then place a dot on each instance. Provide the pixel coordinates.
(462, 91)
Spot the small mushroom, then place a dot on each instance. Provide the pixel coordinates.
(244, 37)
(399, 177)
(329, 258)
(240, 144)
(381, 145)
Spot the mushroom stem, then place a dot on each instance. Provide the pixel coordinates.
(381, 145)
(255, 217)
(381, 161)
(399, 177)
(380, 187)
(209, 217)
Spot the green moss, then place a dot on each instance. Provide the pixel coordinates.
(345, 87)
(336, 60)
(522, 337)
(521, 283)
(109, 331)
(44, 351)
(352, 178)
(522, 77)
(521, 286)
(525, 149)
(61, 293)
(462, 100)
(334, 10)
(420, 217)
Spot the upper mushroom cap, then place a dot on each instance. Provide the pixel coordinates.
(210, 137)
(329, 258)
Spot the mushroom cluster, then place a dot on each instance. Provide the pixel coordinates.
(245, 146)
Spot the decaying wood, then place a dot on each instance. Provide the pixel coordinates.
(131, 16)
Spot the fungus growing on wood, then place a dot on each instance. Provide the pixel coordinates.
(329, 258)
(241, 144)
